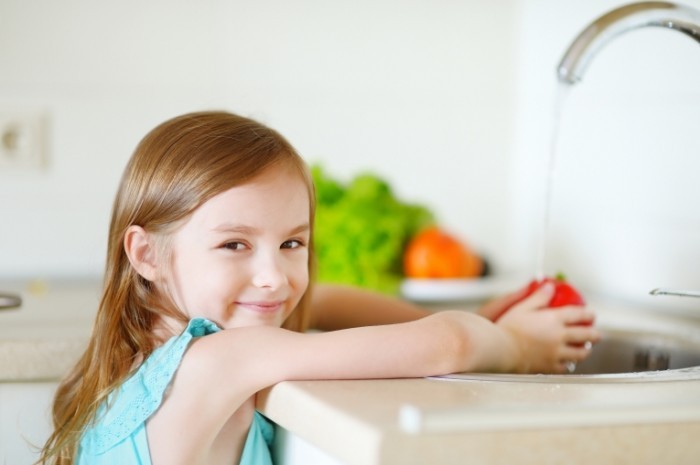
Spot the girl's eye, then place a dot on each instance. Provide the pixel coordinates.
(234, 246)
(291, 244)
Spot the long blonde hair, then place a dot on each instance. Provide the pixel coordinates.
(177, 167)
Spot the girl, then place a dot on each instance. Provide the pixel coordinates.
(207, 296)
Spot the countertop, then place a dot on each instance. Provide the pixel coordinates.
(408, 421)
(43, 338)
(422, 421)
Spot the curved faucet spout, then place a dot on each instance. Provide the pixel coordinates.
(675, 292)
(633, 16)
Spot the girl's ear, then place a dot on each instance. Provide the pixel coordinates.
(141, 250)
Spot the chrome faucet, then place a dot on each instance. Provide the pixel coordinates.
(625, 18)
(674, 292)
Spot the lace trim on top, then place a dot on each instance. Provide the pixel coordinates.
(130, 405)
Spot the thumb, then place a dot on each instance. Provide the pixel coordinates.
(540, 298)
(495, 308)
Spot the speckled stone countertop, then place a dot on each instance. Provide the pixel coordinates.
(44, 337)
(411, 421)
(425, 421)
(488, 419)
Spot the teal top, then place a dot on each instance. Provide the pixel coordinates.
(118, 436)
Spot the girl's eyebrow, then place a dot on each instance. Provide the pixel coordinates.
(235, 228)
(302, 228)
(244, 229)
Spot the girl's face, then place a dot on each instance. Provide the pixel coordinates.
(242, 257)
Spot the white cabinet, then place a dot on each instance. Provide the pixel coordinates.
(290, 449)
(25, 420)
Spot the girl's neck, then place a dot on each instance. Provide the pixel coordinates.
(166, 327)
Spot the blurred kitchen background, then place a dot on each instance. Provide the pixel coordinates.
(452, 102)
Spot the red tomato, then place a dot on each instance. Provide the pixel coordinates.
(564, 293)
(433, 253)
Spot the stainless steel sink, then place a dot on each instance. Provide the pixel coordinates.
(636, 351)
(626, 355)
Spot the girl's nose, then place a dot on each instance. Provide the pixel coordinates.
(269, 271)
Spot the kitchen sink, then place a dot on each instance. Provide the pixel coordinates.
(651, 353)
(634, 351)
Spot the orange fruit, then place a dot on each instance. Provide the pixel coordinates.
(433, 253)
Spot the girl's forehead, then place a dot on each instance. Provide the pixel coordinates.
(272, 184)
(275, 194)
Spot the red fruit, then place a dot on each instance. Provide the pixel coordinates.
(564, 293)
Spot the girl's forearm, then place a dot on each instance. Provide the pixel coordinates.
(442, 343)
(336, 307)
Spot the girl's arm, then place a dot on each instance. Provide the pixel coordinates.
(524, 340)
(338, 307)
(221, 371)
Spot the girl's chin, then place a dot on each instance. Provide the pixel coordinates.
(248, 322)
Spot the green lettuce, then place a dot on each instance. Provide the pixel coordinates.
(361, 231)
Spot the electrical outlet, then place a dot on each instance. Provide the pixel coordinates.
(22, 140)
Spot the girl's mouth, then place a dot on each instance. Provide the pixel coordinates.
(262, 307)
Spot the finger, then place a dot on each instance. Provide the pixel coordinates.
(574, 353)
(576, 315)
(540, 298)
(581, 335)
(562, 367)
(495, 308)
(515, 296)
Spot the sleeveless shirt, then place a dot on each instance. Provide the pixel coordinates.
(118, 435)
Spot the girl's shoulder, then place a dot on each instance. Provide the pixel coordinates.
(140, 395)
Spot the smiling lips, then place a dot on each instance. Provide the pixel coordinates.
(262, 307)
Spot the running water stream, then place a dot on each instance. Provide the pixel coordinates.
(541, 258)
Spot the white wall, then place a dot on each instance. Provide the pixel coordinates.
(624, 216)
(419, 92)
(451, 101)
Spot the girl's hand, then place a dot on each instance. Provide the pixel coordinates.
(547, 340)
(493, 309)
